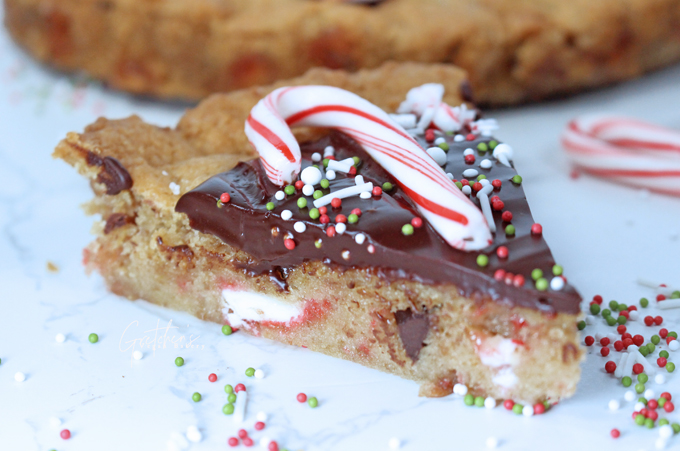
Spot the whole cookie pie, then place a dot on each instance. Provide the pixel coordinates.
(514, 51)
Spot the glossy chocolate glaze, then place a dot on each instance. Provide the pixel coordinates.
(246, 224)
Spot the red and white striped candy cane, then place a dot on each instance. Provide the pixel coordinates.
(625, 150)
(446, 208)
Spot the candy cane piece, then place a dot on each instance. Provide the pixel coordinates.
(625, 150)
(446, 208)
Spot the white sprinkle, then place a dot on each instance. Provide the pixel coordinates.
(330, 175)
(528, 411)
(468, 151)
(638, 406)
(661, 443)
(164, 172)
(174, 187)
(343, 193)
(394, 443)
(308, 190)
(55, 422)
(486, 208)
(460, 389)
(340, 228)
(240, 407)
(459, 138)
(492, 443)
(19, 376)
(614, 405)
(264, 441)
(366, 195)
(674, 345)
(405, 120)
(60, 338)
(632, 348)
(328, 151)
(439, 141)
(633, 315)
(137, 355)
(639, 358)
(628, 367)
(426, 118)
(485, 182)
(259, 374)
(316, 157)
(438, 155)
(649, 393)
(490, 403)
(466, 190)
(310, 176)
(660, 379)
(286, 215)
(485, 164)
(470, 173)
(280, 195)
(449, 175)
(618, 372)
(359, 180)
(590, 319)
(194, 435)
(371, 249)
(557, 283)
(300, 227)
(339, 166)
(503, 153)
(666, 431)
(668, 304)
(261, 416)
(629, 396)
(360, 238)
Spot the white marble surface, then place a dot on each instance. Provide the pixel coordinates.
(605, 236)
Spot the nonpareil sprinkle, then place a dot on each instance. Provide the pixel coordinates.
(250, 372)
(93, 338)
(227, 330)
(482, 260)
(179, 361)
(196, 397)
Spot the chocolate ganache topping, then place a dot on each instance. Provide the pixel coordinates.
(376, 241)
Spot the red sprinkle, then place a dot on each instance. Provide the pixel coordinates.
(465, 182)
(301, 397)
(429, 135)
(615, 433)
(631, 308)
(330, 231)
(509, 277)
(638, 340)
(212, 377)
(652, 403)
(324, 219)
(624, 313)
(233, 441)
(417, 222)
(239, 387)
(469, 159)
(273, 446)
(470, 137)
(649, 320)
(502, 252)
(499, 274)
(353, 170)
(597, 299)
(290, 244)
(625, 335)
(299, 184)
(660, 297)
(506, 216)
(539, 408)
(259, 425)
(621, 329)
(604, 341)
(590, 340)
(661, 361)
(336, 202)
(508, 404)
(604, 352)
(377, 191)
(610, 366)
(663, 333)
(618, 345)
(477, 186)
(536, 229)
(65, 434)
(496, 184)
(668, 407)
(658, 320)
(652, 414)
(225, 198)
(518, 281)
(498, 205)
(323, 210)
(341, 218)
(666, 395)
(638, 368)
(242, 433)
(627, 342)
(248, 441)
(356, 211)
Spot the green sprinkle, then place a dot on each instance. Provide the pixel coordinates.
(613, 305)
(93, 338)
(313, 402)
(482, 260)
(481, 177)
(250, 372)
(643, 400)
(650, 347)
(353, 218)
(228, 409)
(639, 388)
(542, 284)
(675, 294)
(655, 339)
(219, 203)
(517, 409)
(302, 202)
(649, 423)
(444, 146)
(314, 213)
(325, 162)
(459, 185)
(479, 401)
(517, 180)
(663, 354)
(357, 161)
(611, 320)
(626, 381)
(642, 378)
(581, 325)
(196, 397)
(557, 270)
(492, 144)
(594, 309)
(407, 229)
(318, 194)
(318, 243)
(324, 183)
(644, 302)
(228, 389)
(482, 147)
(670, 367)
(663, 422)
(469, 400)
(621, 320)
(179, 361)
(289, 190)
(231, 398)
(510, 229)
(644, 351)
(640, 420)
(270, 206)
(622, 307)
(387, 186)
(227, 330)
(676, 427)
(606, 312)
(673, 334)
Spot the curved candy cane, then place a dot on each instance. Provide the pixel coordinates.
(625, 150)
(446, 208)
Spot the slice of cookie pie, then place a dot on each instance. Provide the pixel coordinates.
(402, 242)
